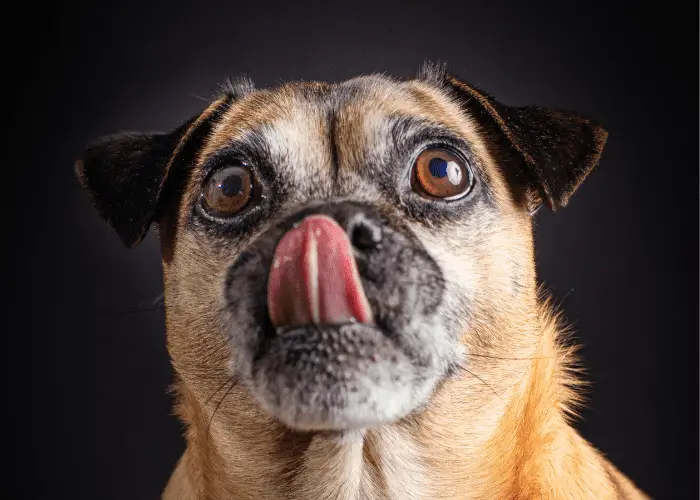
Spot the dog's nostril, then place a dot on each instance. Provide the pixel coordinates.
(364, 235)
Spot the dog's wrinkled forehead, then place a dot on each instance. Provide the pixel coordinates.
(323, 139)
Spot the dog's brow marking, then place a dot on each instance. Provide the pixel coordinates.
(206, 114)
(333, 144)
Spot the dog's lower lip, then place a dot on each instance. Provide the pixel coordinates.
(282, 330)
(362, 339)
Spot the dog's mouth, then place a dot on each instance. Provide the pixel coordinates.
(347, 339)
(314, 279)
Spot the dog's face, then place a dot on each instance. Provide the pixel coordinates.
(340, 250)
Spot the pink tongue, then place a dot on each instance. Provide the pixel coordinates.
(314, 277)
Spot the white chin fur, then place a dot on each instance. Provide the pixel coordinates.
(355, 380)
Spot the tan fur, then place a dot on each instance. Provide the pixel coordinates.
(498, 431)
(522, 448)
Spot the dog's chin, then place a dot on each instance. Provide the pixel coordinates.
(337, 377)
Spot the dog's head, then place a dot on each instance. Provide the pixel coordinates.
(340, 249)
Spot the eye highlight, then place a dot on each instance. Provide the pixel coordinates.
(228, 190)
(439, 173)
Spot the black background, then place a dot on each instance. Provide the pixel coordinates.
(90, 387)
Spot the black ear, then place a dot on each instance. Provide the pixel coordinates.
(558, 148)
(125, 175)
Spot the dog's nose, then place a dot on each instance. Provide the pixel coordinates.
(364, 233)
(314, 277)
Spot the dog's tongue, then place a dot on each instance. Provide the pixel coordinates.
(314, 277)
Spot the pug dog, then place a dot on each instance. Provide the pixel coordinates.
(351, 298)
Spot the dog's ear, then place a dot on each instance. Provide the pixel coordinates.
(558, 148)
(125, 175)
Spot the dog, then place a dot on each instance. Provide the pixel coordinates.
(351, 298)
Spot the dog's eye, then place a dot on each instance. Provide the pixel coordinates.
(228, 190)
(438, 173)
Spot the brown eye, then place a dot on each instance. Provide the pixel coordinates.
(228, 190)
(438, 173)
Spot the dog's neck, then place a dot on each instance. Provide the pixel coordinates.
(512, 442)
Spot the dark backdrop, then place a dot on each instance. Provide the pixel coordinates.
(95, 420)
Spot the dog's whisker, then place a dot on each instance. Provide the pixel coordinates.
(481, 380)
(509, 359)
(159, 300)
(231, 379)
(135, 311)
(218, 406)
(199, 97)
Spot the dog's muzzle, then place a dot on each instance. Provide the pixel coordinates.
(344, 330)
